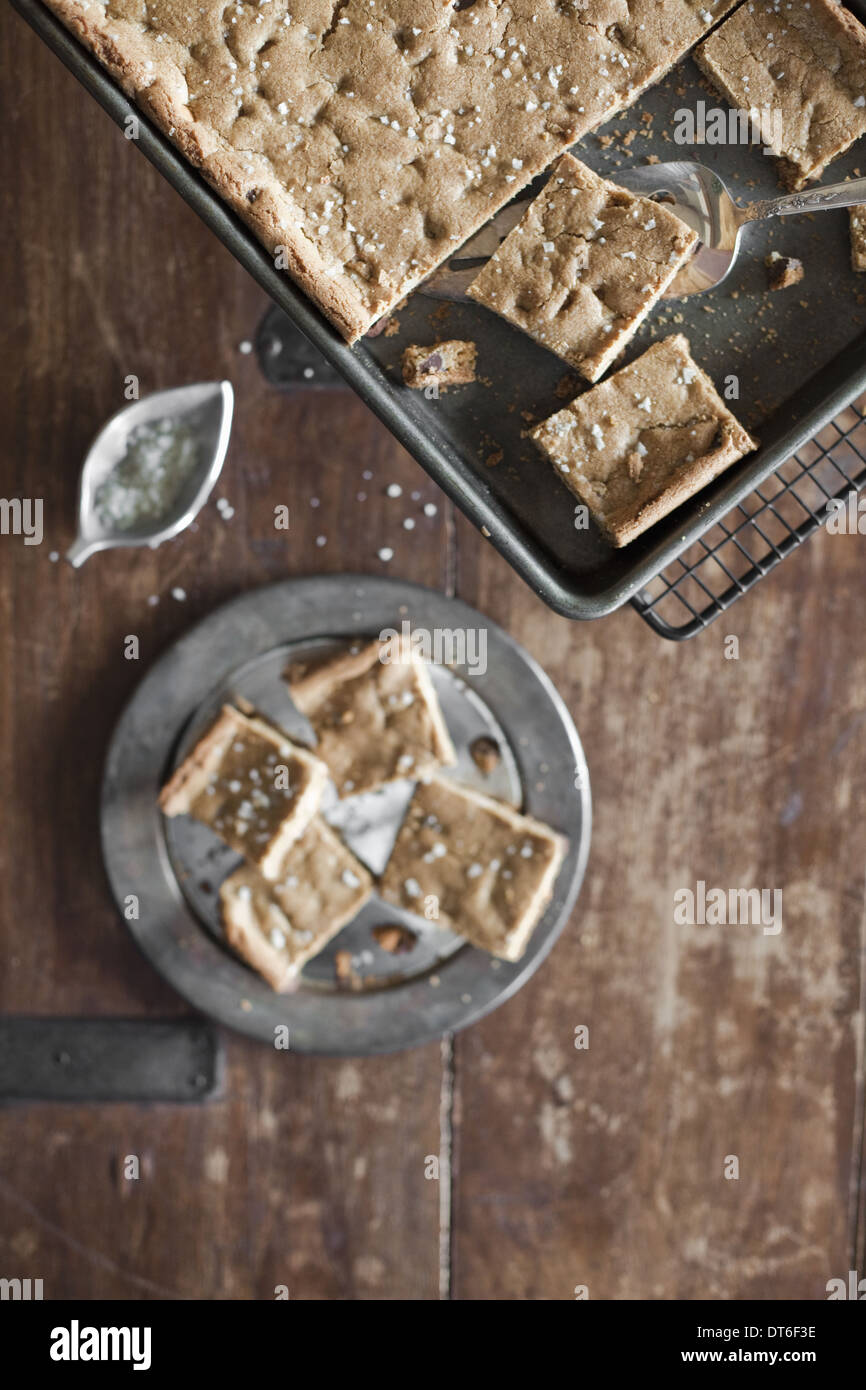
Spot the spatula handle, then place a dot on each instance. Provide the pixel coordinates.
(834, 195)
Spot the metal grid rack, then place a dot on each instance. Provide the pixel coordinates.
(751, 540)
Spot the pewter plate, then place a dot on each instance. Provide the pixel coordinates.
(173, 868)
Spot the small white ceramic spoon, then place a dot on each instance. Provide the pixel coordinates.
(202, 413)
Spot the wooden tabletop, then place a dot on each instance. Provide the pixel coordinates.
(608, 1167)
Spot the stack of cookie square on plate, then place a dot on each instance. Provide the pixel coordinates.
(488, 870)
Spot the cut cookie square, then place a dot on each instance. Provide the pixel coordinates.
(450, 363)
(584, 266)
(803, 63)
(251, 785)
(490, 869)
(375, 714)
(276, 927)
(636, 446)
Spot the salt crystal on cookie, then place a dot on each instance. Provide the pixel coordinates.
(251, 785)
(375, 714)
(276, 927)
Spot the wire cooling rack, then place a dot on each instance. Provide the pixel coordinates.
(756, 535)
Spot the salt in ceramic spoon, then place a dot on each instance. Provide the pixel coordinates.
(151, 468)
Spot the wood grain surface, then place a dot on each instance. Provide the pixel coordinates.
(602, 1167)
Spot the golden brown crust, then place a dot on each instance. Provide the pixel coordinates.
(278, 926)
(643, 441)
(804, 65)
(222, 167)
(584, 266)
(474, 865)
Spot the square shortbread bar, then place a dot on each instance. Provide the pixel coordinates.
(364, 140)
(584, 266)
(251, 785)
(277, 927)
(490, 869)
(640, 443)
(804, 62)
(375, 714)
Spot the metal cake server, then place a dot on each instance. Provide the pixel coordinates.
(197, 421)
(693, 192)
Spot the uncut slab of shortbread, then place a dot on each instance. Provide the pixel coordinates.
(375, 714)
(637, 445)
(255, 788)
(277, 927)
(490, 869)
(584, 266)
(803, 62)
(364, 140)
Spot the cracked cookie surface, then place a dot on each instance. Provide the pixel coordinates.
(637, 445)
(804, 63)
(364, 140)
(584, 266)
(857, 231)
(375, 714)
(480, 867)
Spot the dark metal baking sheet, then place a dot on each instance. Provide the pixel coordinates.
(799, 354)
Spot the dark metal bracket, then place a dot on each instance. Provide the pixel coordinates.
(291, 361)
(109, 1059)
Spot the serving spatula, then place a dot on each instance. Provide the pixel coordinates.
(694, 192)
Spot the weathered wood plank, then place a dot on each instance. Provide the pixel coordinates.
(606, 1167)
(308, 1173)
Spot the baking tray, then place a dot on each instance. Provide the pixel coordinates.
(799, 355)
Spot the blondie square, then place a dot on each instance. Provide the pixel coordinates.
(375, 714)
(364, 140)
(857, 230)
(490, 869)
(804, 62)
(251, 785)
(278, 926)
(584, 266)
(640, 443)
